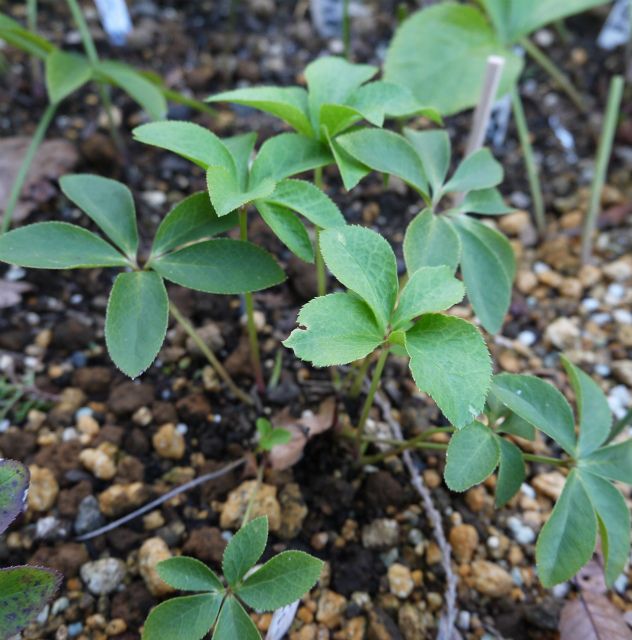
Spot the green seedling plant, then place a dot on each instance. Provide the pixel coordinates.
(184, 251)
(24, 591)
(221, 606)
(447, 237)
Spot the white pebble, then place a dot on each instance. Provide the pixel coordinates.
(463, 620)
(182, 428)
(622, 316)
(524, 535)
(69, 433)
(527, 338)
(615, 293)
(560, 590)
(621, 584)
(600, 319)
(541, 267)
(602, 370)
(590, 304)
(528, 490)
(493, 542)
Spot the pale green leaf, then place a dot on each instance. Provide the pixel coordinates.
(287, 103)
(338, 328)
(434, 150)
(387, 152)
(450, 362)
(191, 220)
(336, 118)
(184, 618)
(65, 73)
(57, 245)
(109, 204)
(227, 194)
(287, 228)
(220, 265)
(431, 241)
(241, 148)
(188, 574)
(136, 320)
(16, 35)
(540, 404)
(379, 100)
(275, 438)
(245, 549)
(613, 517)
(511, 472)
(487, 202)
(234, 623)
(363, 261)
(472, 456)
(480, 170)
(14, 483)
(613, 462)
(593, 411)
(429, 289)
(440, 54)
(515, 425)
(567, 540)
(351, 171)
(280, 581)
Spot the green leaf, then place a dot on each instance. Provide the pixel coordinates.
(339, 328)
(191, 220)
(511, 472)
(595, 418)
(184, 618)
(287, 155)
(109, 204)
(431, 241)
(188, 574)
(275, 438)
(241, 148)
(567, 540)
(387, 152)
(280, 581)
(23, 593)
(288, 228)
(378, 100)
(14, 483)
(308, 200)
(516, 426)
(613, 462)
(613, 517)
(245, 549)
(472, 456)
(450, 362)
(434, 150)
(351, 171)
(488, 268)
(336, 118)
(57, 245)
(17, 36)
(429, 289)
(141, 90)
(189, 140)
(235, 623)
(226, 193)
(221, 265)
(363, 261)
(487, 202)
(480, 170)
(540, 404)
(287, 103)
(136, 320)
(440, 54)
(513, 20)
(65, 73)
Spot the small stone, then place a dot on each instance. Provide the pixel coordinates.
(265, 504)
(412, 622)
(293, 511)
(464, 541)
(88, 517)
(382, 533)
(526, 281)
(115, 627)
(589, 275)
(619, 270)
(622, 370)
(169, 442)
(549, 484)
(211, 335)
(119, 498)
(88, 425)
(153, 551)
(99, 463)
(490, 579)
(400, 580)
(562, 333)
(153, 520)
(43, 489)
(515, 223)
(103, 576)
(331, 607)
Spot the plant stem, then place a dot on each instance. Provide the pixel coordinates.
(346, 29)
(321, 276)
(529, 160)
(557, 462)
(210, 356)
(360, 374)
(615, 93)
(20, 179)
(253, 497)
(554, 71)
(368, 403)
(31, 22)
(255, 352)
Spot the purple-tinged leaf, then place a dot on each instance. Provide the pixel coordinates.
(14, 482)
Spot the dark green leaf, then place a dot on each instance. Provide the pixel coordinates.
(241, 148)
(65, 73)
(613, 462)
(288, 228)
(516, 426)
(14, 482)
(226, 193)
(235, 623)
(351, 171)
(188, 574)
(511, 473)
(431, 241)
(245, 549)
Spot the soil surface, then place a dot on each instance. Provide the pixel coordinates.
(99, 445)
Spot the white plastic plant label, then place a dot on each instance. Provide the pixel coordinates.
(282, 621)
(327, 17)
(499, 122)
(616, 30)
(115, 19)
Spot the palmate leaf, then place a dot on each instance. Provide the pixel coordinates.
(58, 245)
(288, 229)
(613, 462)
(221, 265)
(511, 472)
(364, 262)
(567, 540)
(136, 320)
(65, 73)
(244, 550)
(14, 482)
(434, 149)
(480, 170)
(338, 328)
(235, 623)
(450, 362)
(431, 241)
(455, 41)
(188, 574)
(109, 204)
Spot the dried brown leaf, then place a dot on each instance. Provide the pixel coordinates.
(591, 616)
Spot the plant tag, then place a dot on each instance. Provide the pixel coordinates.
(499, 122)
(616, 30)
(281, 621)
(115, 19)
(327, 17)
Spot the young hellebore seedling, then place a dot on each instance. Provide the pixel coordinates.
(280, 581)
(184, 251)
(452, 238)
(24, 591)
